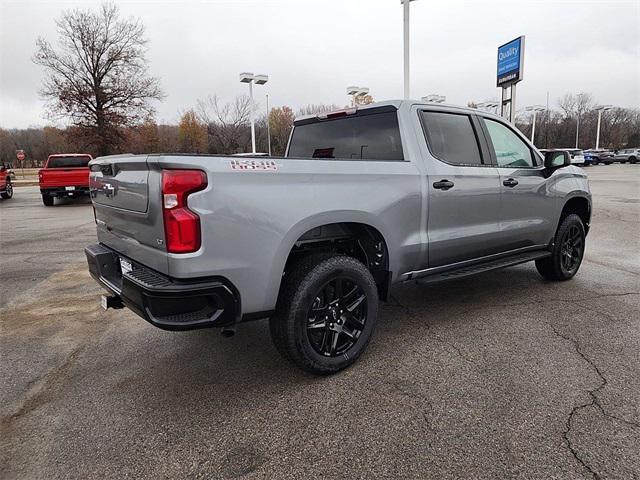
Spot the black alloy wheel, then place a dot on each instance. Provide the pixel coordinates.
(337, 317)
(567, 250)
(326, 312)
(572, 250)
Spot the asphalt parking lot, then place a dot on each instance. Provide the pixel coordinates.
(498, 376)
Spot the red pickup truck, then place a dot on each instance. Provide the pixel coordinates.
(6, 189)
(64, 175)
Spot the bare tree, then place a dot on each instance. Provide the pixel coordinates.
(227, 123)
(97, 76)
(312, 109)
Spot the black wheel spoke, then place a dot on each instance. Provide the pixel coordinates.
(572, 249)
(336, 317)
(355, 321)
(356, 303)
(334, 342)
(349, 296)
(353, 335)
(317, 324)
(323, 343)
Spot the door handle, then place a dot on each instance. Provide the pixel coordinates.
(443, 184)
(510, 182)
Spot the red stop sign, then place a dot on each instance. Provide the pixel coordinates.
(20, 155)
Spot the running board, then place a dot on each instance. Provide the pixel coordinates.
(468, 270)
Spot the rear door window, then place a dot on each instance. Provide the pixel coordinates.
(451, 137)
(373, 136)
(71, 161)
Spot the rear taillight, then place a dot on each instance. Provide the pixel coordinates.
(181, 225)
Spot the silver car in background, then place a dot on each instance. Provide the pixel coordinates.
(631, 155)
(577, 156)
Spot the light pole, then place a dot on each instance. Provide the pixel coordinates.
(600, 109)
(356, 92)
(250, 78)
(434, 98)
(405, 4)
(268, 127)
(535, 109)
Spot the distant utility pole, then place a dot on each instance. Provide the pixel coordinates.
(268, 126)
(600, 109)
(250, 78)
(407, 91)
(535, 109)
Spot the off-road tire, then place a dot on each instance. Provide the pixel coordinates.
(552, 267)
(298, 292)
(47, 200)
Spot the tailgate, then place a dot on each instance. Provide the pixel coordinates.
(120, 182)
(121, 187)
(63, 177)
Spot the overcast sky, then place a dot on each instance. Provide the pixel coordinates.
(313, 49)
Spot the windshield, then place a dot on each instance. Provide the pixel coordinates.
(359, 137)
(71, 161)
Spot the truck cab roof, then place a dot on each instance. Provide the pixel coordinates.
(397, 104)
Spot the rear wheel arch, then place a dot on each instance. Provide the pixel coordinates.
(361, 241)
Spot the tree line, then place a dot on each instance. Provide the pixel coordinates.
(574, 123)
(96, 80)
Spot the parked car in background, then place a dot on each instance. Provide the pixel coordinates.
(595, 157)
(365, 197)
(6, 187)
(64, 175)
(576, 155)
(631, 155)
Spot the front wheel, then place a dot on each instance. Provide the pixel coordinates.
(567, 253)
(8, 191)
(326, 313)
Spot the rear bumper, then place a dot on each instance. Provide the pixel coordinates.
(63, 192)
(167, 303)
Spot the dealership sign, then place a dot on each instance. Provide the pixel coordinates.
(510, 62)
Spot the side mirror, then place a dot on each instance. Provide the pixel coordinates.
(557, 159)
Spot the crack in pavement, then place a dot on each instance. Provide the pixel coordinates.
(37, 395)
(595, 402)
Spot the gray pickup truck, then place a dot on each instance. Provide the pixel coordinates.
(364, 198)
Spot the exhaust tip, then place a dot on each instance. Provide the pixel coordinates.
(228, 332)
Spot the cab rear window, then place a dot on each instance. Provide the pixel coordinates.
(374, 136)
(71, 161)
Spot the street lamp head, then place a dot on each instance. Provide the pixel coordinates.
(353, 90)
(487, 104)
(604, 107)
(362, 91)
(246, 77)
(535, 108)
(261, 79)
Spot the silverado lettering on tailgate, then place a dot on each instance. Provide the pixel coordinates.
(268, 165)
